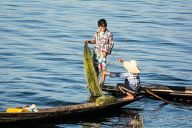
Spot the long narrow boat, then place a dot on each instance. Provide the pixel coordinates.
(64, 113)
(173, 93)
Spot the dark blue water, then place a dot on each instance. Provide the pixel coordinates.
(41, 54)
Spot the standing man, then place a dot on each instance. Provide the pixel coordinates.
(103, 40)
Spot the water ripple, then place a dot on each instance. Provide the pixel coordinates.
(41, 51)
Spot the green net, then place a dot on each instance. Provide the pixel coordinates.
(103, 100)
(90, 74)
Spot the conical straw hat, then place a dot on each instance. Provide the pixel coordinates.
(131, 66)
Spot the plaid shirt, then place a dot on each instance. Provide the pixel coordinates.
(104, 42)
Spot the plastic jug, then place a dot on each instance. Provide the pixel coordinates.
(14, 110)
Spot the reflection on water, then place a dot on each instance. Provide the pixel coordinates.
(125, 118)
(41, 52)
(91, 125)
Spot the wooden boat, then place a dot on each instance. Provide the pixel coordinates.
(64, 113)
(172, 93)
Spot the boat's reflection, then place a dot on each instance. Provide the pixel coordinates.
(124, 118)
(121, 118)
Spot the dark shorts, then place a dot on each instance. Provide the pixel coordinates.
(124, 89)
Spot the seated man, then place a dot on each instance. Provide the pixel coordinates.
(132, 79)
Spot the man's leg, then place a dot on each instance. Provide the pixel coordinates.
(104, 72)
(127, 92)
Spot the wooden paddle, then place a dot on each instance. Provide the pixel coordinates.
(153, 94)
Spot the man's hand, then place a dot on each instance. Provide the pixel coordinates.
(85, 41)
(120, 60)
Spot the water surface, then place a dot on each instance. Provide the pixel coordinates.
(41, 54)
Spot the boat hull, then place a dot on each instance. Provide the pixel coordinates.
(173, 93)
(63, 113)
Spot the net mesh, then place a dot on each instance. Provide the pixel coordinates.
(90, 74)
(92, 80)
(103, 100)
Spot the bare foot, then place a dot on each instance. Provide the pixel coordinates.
(127, 98)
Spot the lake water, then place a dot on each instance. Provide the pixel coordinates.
(41, 54)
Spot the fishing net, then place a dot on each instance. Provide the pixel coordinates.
(92, 80)
(103, 100)
(90, 74)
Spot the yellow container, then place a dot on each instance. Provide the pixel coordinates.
(14, 110)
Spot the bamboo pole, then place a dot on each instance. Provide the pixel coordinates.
(153, 94)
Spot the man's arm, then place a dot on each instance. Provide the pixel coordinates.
(90, 41)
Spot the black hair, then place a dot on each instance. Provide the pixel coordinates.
(102, 22)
